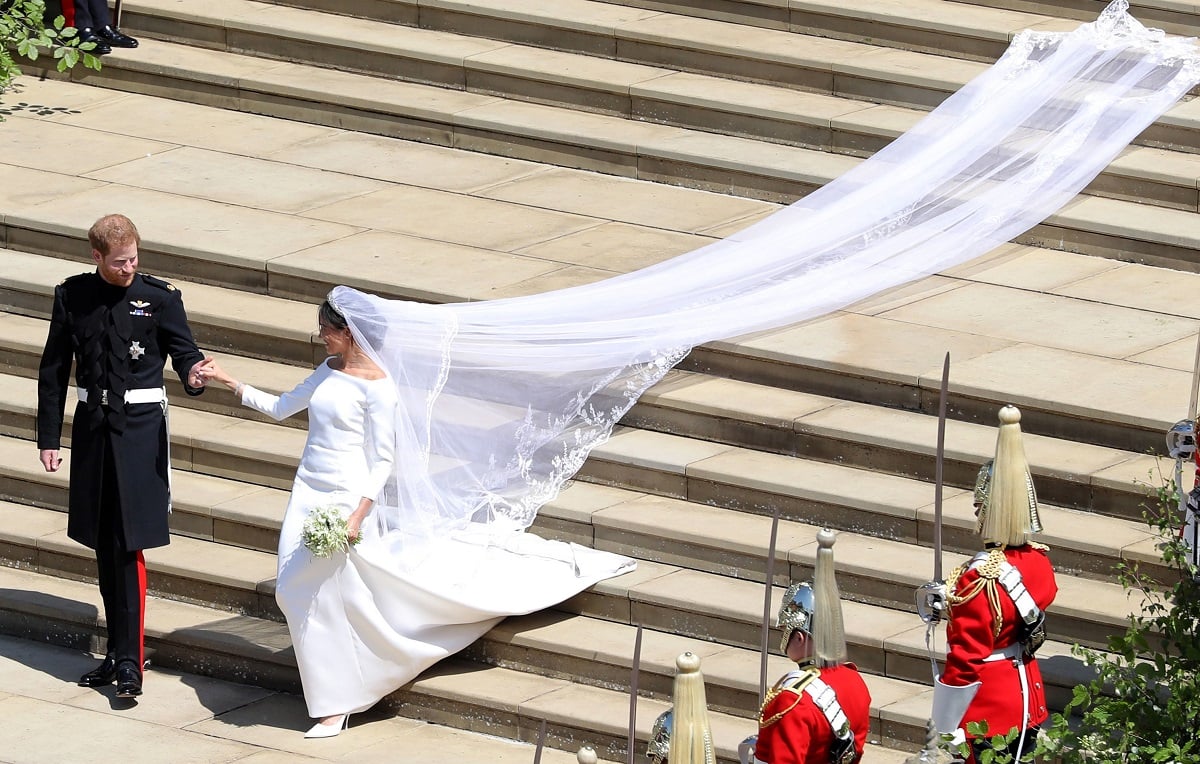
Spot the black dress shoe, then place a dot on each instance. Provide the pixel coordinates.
(115, 37)
(87, 34)
(102, 675)
(129, 681)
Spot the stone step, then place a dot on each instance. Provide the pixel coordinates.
(611, 30)
(889, 518)
(458, 694)
(455, 56)
(591, 79)
(756, 416)
(1023, 326)
(1175, 16)
(587, 646)
(1076, 475)
(188, 717)
(731, 476)
(696, 146)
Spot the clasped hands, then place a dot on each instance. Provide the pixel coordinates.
(207, 371)
(200, 373)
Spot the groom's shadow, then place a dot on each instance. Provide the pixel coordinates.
(54, 635)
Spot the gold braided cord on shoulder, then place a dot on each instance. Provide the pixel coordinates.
(795, 684)
(989, 571)
(1039, 546)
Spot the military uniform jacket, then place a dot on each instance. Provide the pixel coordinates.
(793, 730)
(976, 631)
(119, 339)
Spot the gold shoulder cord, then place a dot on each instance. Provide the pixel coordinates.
(989, 572)
(796, 685)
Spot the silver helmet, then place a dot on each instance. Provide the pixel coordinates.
(796, 613)
(659, 746)
(816, 608)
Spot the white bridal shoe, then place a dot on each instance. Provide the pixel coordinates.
(329, 730)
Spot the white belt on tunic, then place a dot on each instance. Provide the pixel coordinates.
(144, 395)
(1010, 653)
(141, 395)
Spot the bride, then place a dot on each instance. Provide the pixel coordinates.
(365, 622)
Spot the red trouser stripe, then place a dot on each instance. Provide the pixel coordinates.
(68, 12)
(141, 574)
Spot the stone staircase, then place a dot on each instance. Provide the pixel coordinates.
(538, 122)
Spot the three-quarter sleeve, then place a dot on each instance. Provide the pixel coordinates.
(281, 407)
(380, 443)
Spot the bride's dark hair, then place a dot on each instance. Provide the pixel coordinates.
(329, 315)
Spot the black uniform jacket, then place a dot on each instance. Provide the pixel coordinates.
(119, 338)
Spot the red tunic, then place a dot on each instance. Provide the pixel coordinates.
(802, 733)
(971, 638)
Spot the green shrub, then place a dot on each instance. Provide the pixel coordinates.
(24, 33)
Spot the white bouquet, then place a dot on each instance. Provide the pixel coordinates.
(325, 531)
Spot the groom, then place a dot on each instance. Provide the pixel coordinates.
(117, 326)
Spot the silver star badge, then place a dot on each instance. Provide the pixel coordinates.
(136, 350)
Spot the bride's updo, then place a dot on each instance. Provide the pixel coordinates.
(329, 315)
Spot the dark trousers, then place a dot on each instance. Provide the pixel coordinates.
(122, 576)
(86, 14)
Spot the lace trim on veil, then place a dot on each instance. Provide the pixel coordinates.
(502, 401)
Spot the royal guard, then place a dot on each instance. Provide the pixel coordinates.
(117, 327)
(819, 713)
(996, 605)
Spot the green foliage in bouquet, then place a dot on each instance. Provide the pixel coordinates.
(326, 531)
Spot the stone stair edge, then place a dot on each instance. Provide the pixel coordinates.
(232, 644)
(671, 395)
(746, 165)
(246, 649)
(901, 638)
(769, 14)
(1175, 16)
(885, 131)
(722, 358)
(37, 537)
(179, 636)
(217, 453)
(539, 13)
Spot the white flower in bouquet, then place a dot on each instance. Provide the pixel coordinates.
(326, 531)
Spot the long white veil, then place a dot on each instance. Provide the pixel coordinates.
(501, 401)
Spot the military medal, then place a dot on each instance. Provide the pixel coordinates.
(139, 308)
(136, 350)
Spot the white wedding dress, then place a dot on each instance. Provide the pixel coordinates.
(366, 622)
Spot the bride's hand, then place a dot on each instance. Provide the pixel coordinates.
(354, 525)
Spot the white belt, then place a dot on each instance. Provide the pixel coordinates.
(142, 395)
(1010, 653)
